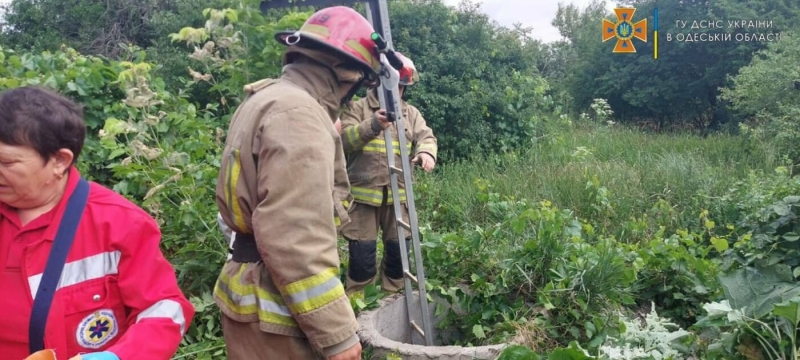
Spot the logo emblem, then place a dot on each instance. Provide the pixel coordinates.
(97, 329)
(625, 30)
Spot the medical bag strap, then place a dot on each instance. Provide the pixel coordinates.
(55, 265)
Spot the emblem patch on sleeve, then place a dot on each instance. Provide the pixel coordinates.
(97, 329)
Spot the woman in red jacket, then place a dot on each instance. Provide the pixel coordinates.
(82, 272)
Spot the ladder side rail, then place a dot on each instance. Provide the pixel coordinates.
(378, 14)
(414, 225)
(387, 102)
(407, 175)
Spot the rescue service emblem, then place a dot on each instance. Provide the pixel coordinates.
(97, 329)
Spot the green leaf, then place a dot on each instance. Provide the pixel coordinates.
(477, 330)
(361, 304)
(573, 352)
(781, 209)
(793, 199)
(597, 341)
(574, 228)
(791, 236)
(518, 352)
(720, 244)
(116, 153)
(590, 329)
(518, 225)
(114, 126)
(759, 289)
(790, 310)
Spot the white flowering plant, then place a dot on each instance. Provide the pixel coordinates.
(653, 338)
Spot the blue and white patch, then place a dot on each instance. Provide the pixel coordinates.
(97, 329)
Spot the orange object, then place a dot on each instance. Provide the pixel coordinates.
(42, 355)
(47, 355)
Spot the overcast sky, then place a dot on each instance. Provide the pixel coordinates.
(531, 13)
(536, 14)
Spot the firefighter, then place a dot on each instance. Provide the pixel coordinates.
(116, 297)
(368, 171)
(283, 193)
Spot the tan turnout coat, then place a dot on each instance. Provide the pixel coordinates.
(283, 179)
(367, 164)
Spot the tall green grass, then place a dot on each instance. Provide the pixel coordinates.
(635, 168)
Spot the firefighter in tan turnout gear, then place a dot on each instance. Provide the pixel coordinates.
(368, 170)
(283, 192)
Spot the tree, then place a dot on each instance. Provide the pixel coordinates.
(764, 92)
(682, 85)
(480, 89)
(94, 27)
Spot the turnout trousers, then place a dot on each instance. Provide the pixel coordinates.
(246, 341)
(362, 234)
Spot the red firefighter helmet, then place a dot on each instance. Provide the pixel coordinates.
(342, 30)
(408, 74)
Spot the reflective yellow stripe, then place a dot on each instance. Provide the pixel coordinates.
(352, 136)
(250, 299)
(427, 147)
(336, 219)
(374, 196)
(358, 47)
(314, 292)
(379, 149)
(368, 195)
(231, 180)
(379, 146)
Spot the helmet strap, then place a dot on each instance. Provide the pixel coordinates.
(353, 90)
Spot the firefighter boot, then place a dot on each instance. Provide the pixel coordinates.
(392, 266)
(361, 269)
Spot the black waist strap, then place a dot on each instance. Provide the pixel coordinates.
(245, 249)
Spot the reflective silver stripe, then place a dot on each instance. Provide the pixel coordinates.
(88, 268)
(315, 291)
(165, 309)
(247, 300)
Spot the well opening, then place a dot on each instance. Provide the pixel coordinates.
(387, 330)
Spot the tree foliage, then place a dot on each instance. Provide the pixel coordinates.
(682, 85)
(765, 92)
(479, 89)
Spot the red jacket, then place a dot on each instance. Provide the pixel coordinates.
(117, 292)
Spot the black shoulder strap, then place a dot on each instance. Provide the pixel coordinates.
(55, 265)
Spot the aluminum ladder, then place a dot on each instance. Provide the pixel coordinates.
(378, 14)
(390, 100)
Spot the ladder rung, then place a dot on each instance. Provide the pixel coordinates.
(396, 170)
(412, 277)
(404, 224)
(416, 327)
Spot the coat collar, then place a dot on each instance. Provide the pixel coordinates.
(318, 81)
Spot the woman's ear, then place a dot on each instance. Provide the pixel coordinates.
(62, 160)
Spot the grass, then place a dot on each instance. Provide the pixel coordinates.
(635, 168)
